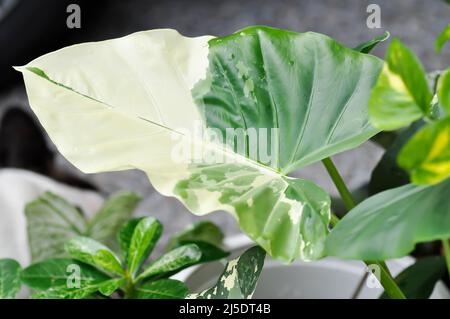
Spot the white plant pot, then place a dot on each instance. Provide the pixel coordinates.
(324, 279)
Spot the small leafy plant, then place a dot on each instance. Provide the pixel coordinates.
(95, 271)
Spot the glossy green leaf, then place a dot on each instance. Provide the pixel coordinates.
(239, 279)
(105, 224)
(389, 224)
(208, 251)
(366, 47)
(205, 231)
(107, 288)
(442, 38)
(162, 289)
(51, 222)
(124, 236)
(401, 95)
(443, 91)
(145, 236)
(427, 155)
(418, 280)
(60, 273)
(94, 253)
(173, 260)
(9, 278)
(260, 78)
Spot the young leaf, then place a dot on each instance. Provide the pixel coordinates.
(427, 155)
(366, 47)
(442, 38)
(107, 221)
(173, 260)
(125, 234)
(239, 279)
(145, 236)
(9, 278)
(162, 289)
(94, 253)
(61, 273)
(51, 222)
(107, 288)
(258, 78)
(418, 280)
(443, 91)
(205, 231)
(401, 95)
(208, 251)
(389, 224)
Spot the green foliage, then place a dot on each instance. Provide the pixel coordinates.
(442, 38)
(9, 278)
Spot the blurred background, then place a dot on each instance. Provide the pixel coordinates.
(31, 28)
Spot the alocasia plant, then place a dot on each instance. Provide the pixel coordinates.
(134, 102)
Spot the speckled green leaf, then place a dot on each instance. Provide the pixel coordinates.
(389, 224)
(427, 155)
(107, 288)
(204, 230)
(442, 38)
(145, 236)
(94, 253)
(51, 222)
(124, 236)
(418, 280)
(310, 88)
(401, 95)
(105, 224)
(162, 289)
(175, 259)
(57, 273)
(9, 278)
(239, 279)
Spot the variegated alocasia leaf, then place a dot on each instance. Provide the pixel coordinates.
(10, 282)
(239, 279)
(138, 101)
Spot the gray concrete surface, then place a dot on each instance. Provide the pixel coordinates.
(416, 22)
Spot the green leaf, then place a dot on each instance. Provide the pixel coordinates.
(418, 280)
(387, 174)
(61, 273)
(258, 78)
(107, 221)
(94, 253)
(389, 224)
(208, 251)
(124, 236)
(443, 91)
(239, 279)
(51, 222)
(442, 39)
(401, 95)
(9, 278)
(162, 289)
(107, 288)
(366, 47)
(205, 231)
(427, 155)
(145, 236)
(173, 260)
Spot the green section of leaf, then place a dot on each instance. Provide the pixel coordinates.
(9, 278)
(387, 174)
(125, 234)
(442, 38)
(401, 95)
(418, 280)
(107, 221)
(427, 155)
(239, 279)
(94, 253)
(162, 289)
(208, 251)
(145, 236)
(205, 231)
(51, 222)
(61, 273)
(443, 91)
(389, 224)
(107, 288)
(366, 47)
(173, 260)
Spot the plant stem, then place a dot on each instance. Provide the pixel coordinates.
(386, 280)
(446, 245)
(339, 182)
